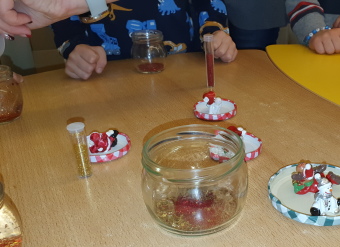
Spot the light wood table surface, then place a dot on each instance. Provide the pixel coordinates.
(59, 209)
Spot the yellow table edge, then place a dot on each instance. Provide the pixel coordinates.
(317, 73)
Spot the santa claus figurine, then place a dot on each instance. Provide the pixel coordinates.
(214, 103)
(102, 142)
(209, 97)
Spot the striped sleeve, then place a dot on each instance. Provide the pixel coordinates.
(304, 17)
(303, 9)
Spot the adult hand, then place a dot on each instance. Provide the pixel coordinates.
(18, 78)
(224, 47)
(19, 16)
(11, 21)
(85, 59)
(326, 41)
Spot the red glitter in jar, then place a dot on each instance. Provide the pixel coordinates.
(206, 212)
(150, 67)
(210, 69)
(7, 117)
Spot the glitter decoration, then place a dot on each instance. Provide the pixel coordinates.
(78, 137)
(209, 60)
(185, 190)
(150, 67)
(208, 210)
(10, 94)
(11, 242)
(82, 157)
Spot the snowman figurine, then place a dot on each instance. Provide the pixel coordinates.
(324, 201)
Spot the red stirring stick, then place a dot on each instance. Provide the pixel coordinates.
(209, 60)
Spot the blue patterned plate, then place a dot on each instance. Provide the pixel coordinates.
(294, 206)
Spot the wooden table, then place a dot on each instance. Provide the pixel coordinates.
(59, 209)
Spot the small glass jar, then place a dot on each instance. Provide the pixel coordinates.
(10, 221)
(11, 101)
(186, 188)
(148, 51)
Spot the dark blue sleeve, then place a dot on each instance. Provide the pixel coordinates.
(211, 15)
(69, 33)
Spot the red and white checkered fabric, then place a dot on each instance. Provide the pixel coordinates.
(114, 155)
(215, 117)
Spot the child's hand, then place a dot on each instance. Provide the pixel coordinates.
(85, 59)
(18, 78)
(336, 23)
(326, 41)
(224, 47)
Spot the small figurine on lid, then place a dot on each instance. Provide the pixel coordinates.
(324, 201)
(214, 108)
(304, 180)
(107, 146)
(102, 142)
(214, 103)
(252, 145)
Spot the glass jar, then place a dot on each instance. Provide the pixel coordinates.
(10, 96)
(10, 221)
(194, 178)
(148, 51)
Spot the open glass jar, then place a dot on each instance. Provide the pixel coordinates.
(148, 51)
(194, 178)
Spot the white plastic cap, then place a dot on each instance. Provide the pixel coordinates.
(208, 37)
(75, 127)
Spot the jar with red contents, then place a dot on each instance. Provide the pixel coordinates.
(11, 100)
(185, 188)
(148, 51)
